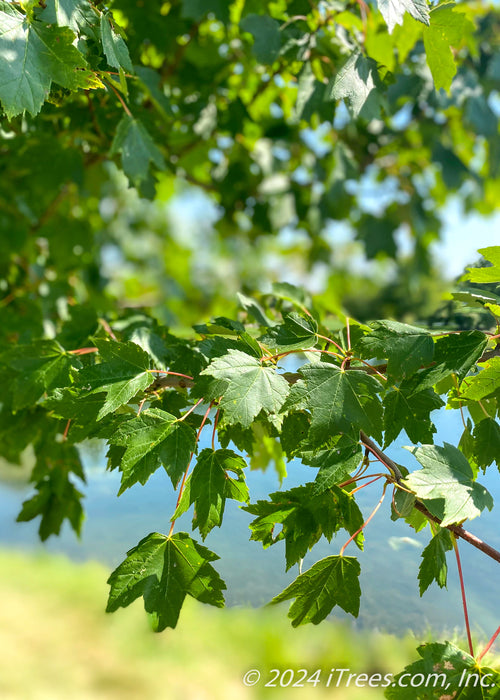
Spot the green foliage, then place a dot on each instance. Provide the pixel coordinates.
(164, 570)
(446, 484)
(331, 581)
(282, 113)
(449, 669)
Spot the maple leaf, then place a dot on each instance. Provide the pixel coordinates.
(331, 581)
(246, 386)
(446, 484)
(163, 570)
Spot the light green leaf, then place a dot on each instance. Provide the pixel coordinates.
(486, 382)
(218, 475)
(331, 581)
(446, 484)
(115, 49)
(32, 56)
(447, 29)
(163, 570)
(357, 82)
(137, 149)
(433, 566)
(341, 400)
(246, 387)
(393, 11)
(490, 274)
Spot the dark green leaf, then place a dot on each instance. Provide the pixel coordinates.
(341, 400)
(404, 410)
(39, 367)
(406, 347)
(304, 516)
(163, 570)
(115, 49)
(218, 475)
(486, 443)
(267, 38)
(137, 149)
(330, 582)
(297, 332)
(433, 566)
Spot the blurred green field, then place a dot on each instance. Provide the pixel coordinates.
(57, 642)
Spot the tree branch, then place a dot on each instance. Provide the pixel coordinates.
(176, 382)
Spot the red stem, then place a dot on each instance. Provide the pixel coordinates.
(365, 523)
(464, 599)
(358, 488)
(488, 646)
(216, 420)
(183, 483)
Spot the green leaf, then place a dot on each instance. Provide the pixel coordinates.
(304, 515)
(341, 400)
(433, 566)
(39, 367)
(406, 347)
(78, 15)
(449, 672)
(267, 37)
(246, 387)
(405, 410)
(447, 29)
(33, 56)
(122, 374)
(196, 9)
(486, 443)
(210, 484)
(334, 463)
(296, 333)
(483, 384)
(137, 149)
(78, 407)
(152, 439)
(56, 499)
(393, 11)
(490, 274)
(357, 82)
(331, 581)
(446, 484)
(115, 49)
(163, 570)
(453, 354)
(294, 431)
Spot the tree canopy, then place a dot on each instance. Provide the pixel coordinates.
(296, 120)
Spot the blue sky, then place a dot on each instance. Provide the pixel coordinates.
(462, 236)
